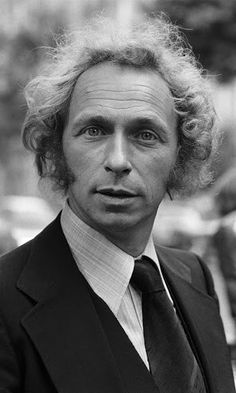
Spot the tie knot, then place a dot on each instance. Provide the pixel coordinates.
(146, 276)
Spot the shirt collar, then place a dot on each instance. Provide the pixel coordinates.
(106, 267)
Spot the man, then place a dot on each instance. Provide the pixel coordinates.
(118, 120)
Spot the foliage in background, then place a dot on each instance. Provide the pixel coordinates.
(210, 27)
(20, 55)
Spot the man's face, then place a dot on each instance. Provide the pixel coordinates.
(120, 143)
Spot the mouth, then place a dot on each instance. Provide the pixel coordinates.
(120, 193)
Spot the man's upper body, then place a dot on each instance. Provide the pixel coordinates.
(59, 334)
(123, 119)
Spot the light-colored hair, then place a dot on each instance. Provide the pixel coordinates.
(152, 44)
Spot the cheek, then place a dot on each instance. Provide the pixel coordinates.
(77, 159)
(157, 174)
(166, 162)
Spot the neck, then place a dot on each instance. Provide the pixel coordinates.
(131, 240)
(132, 243)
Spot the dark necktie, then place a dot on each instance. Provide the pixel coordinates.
(172, 363)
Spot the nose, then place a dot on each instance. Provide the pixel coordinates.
(117, 155)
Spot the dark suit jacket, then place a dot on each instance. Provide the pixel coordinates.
(56, 335)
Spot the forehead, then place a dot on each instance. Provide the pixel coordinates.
(122, 90)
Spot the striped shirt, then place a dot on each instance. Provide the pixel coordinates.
(108, 270)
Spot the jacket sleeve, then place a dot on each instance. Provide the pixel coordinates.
(9, 366)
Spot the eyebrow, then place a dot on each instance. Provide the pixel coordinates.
(86, 118)
(152, 122)
(148, 121)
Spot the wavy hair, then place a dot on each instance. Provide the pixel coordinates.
(153, 44)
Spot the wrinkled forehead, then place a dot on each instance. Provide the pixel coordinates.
(109, 75)
(121, 88)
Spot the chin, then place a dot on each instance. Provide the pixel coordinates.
(117, 224)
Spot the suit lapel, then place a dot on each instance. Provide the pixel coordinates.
(63, 324)
(203, 326)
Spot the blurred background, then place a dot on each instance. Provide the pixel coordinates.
(205, 223)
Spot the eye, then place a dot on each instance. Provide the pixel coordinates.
(146, 136)
(93, 131)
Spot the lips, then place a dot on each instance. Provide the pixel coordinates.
(116, 192)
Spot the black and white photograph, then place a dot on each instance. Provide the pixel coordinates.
(117, 196)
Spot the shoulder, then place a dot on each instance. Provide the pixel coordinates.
(174, 255)
(12, 263)
(13, 304)
(11, 266)
(183, 255)
(182, 260)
